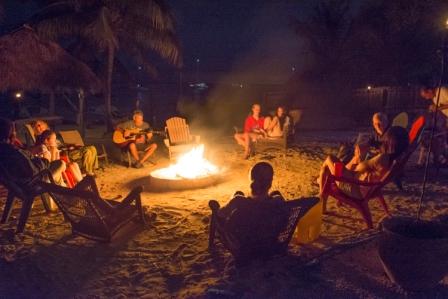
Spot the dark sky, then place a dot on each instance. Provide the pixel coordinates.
(238, 35)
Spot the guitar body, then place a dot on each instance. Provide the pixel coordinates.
(119, 139)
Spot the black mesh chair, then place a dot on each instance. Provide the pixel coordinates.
(91, 216)
(24, 191)
(258, 228)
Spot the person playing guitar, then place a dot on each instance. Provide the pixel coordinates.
(137, 137)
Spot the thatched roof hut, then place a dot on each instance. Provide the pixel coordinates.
(28, 62)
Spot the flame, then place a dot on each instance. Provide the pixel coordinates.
(190, 165)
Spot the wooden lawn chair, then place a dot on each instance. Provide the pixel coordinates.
(401, 120)
(179, 138)
(74, 138)
(91, 216)
(258, 228)
(26, 193)
(30, 138)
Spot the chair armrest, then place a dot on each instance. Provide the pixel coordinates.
(130, 197)
(39, 176)
(353, 181)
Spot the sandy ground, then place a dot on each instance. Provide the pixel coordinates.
(170, 258)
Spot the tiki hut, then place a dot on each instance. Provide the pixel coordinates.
(28, 62)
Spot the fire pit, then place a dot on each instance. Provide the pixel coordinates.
(191, 171)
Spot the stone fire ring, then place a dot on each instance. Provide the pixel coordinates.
(161, 184)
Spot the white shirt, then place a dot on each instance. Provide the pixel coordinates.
(443, 99)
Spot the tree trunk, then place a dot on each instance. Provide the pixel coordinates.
(51, 105)
(80, 118)
(108, 93)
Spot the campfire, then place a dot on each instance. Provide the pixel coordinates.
(191, 170)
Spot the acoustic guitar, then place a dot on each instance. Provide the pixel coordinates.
(119, 139)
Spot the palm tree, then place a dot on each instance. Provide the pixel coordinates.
(135, 28)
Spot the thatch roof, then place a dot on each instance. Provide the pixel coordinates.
(28, 62)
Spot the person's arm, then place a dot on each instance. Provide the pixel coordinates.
(123, 128)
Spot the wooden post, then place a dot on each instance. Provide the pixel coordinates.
(51, 105)
(80, 117)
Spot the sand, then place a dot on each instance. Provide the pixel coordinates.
(170, 258)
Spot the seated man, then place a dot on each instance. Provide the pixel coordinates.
(366, 145)
(276, 125)
(22, 166)
(253, 129)
(139, 136)
(86, 155)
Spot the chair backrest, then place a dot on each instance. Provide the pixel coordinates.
(266, 227)
(296, 115)
(81, 209)
(401, 120)
(30, 132)
(72, 137)
(178, 130)
(416, 130)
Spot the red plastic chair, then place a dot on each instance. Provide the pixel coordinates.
(416, 130)
(374, 189)
(67, 175)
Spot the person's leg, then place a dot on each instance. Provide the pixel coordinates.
(247, 145)
(133, 150)
(89, 159)
(239, 137)
(148, 152)
(56, 168)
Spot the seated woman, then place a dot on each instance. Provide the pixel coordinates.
(394, 142)
(253, 129)
(86, 155)
(46, 147)
(276, 125)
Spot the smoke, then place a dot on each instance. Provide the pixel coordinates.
(271, 58)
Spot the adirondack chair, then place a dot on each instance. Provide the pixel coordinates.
(374, 188)
(258, 228)
(179, 138)
(30, 138)
(91, 216)
(73, 137)
(26, 193)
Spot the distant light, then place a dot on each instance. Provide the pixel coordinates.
(138, 85)
(293, 69)
(446, 23)
(18, 95)
(139, 67)
(241, 85)
(369, 87)
(198, 60)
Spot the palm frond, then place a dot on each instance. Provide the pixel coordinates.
(100, 30)
(140, 59)
(156, 12)
(164, 43)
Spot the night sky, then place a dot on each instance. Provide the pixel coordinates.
(226, 36)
